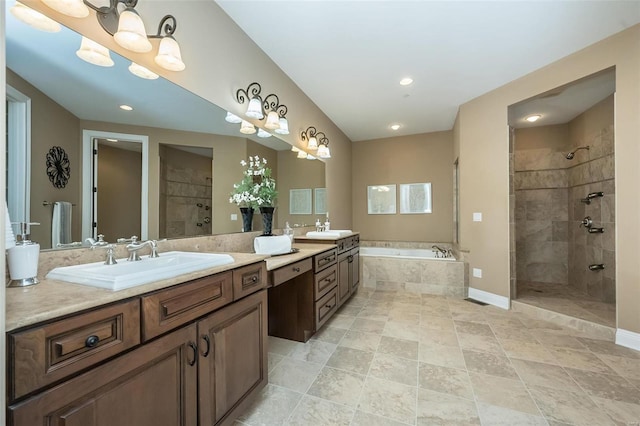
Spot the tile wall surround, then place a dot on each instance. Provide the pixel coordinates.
(550, 244)
(445, 277)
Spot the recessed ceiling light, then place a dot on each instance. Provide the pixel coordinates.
(126, 107)
(533, 118)
(406, 81)
(395, 126)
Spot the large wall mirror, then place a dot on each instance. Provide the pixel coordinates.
(192, 154)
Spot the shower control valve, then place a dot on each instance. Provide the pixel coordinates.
(586, 222)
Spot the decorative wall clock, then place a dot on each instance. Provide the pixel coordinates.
(58, 167)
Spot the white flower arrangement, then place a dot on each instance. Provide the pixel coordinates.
(257, 188)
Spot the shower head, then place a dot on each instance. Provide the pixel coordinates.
(572, 154)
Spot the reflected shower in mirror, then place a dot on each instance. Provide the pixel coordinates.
(68, 96)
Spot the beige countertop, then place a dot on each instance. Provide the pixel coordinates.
(51, 298)
(306, 250)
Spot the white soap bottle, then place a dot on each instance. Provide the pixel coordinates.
(327, 225)
(288, 231)
(23, 259)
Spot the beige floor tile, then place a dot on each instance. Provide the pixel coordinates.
(555, 340)
(370, 326)
(436, 322)
(435, 310)
(447, 380)
(480, 343)
(609, 348)
(626, 367)
(544, 375)
(527, 350)
(395, 369)
(486, 363)
(468, 316)
(536, 324)
(404, 317)
(580, 359)
(273, 360)
(510, 333)
(376, 314)
(501, 320)
(621, 412)
(272, 406)
(353, 360)
(367, 419)
(281, 346)
(469, 327)
(316, 411)
(436, 408)
(402, 331)
(349, 310)
(338, 386)
(570, 407)
(313, 351)
(445, 338)
(492, 415)
(389, 399)
(446, 356)
(329, 334)
(294, 374)
(341, 321)
(361, 340)
(505, 393)
(398, 347)
(606, 386)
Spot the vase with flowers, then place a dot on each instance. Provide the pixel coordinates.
(257, 189)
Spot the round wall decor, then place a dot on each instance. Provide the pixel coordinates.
(58, 167)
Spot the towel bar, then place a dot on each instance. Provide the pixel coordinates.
(49, 203)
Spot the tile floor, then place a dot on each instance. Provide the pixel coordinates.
(567, 300)
(394, 358)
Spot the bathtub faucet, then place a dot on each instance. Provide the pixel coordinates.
(439, 249)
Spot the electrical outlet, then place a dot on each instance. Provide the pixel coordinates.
(234, 216)
(477, 272)
(477, 217)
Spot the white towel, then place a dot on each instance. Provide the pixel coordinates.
(280, 244)
(61, 223)
(9, 238)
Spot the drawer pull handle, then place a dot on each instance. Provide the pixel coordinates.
(194, 348)
(92, 341)
(328, 306)
(296, 269)
(208, 342)
(254, 278)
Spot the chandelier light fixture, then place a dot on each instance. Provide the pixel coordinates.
(126, 27)
(257, 107)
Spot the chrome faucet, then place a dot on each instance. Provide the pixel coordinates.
(440, 249)
(134, 246)
(101, 243)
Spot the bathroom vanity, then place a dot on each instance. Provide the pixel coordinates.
(184, 351)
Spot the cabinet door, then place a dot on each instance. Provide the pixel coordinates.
(344, 278)
(355, 269)
(233, 358)
(153, 385)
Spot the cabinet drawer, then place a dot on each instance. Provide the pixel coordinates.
(285, 273)
(46, 354)
(170, 308)
(325, 307)
(324, 260)
(325, 280)
(249, 279)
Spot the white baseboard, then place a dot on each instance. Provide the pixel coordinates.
(628, 339)
(490, 298)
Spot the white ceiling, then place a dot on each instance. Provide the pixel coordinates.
(348, 56)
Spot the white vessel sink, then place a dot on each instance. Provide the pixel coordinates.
(126, 274)
(329, 235)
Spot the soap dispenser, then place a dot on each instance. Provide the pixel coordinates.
(23, 259)
(327, 225)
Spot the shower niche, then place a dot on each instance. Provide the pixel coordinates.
(563, 199)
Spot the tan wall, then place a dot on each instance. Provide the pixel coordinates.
(408, 159)
(3, 188)
(119, 183)
(220, 59)
(51, 125)
(484, 166)
(298, 173)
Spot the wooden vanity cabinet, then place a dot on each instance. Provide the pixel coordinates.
(201, 373)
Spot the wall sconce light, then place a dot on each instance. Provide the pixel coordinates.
(94, 53)
(142, 72)
(323, 148)
(34, 18)
(316, 141)
(127, 28)
(247, 128)
(232, 118)
(309, 135)
(256, 108)
(301, 154)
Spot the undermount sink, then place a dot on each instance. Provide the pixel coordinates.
(331, 234)
(126, 274)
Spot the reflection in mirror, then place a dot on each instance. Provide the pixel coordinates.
(68, 96)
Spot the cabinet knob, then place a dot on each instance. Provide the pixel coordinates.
(296, 269)
(254, 278)
(328, 306)
(92, 341)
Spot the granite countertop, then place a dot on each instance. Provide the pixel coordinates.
(306, 250)
(51, 298)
